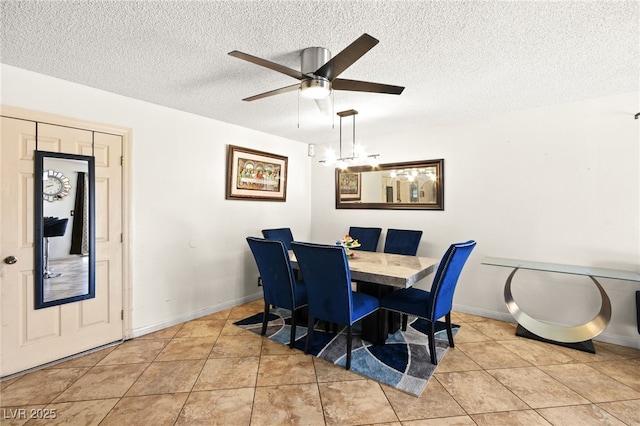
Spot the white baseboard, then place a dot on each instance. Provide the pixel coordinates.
(188, 316)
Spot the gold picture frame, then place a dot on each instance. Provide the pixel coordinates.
(350, 184)
(255, 175)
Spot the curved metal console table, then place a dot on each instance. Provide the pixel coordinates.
(577, 337)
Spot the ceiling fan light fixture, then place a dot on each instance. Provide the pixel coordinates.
(316, 88)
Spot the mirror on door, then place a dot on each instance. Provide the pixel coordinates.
(64, 228)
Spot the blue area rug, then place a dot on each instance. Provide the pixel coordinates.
(403, 362)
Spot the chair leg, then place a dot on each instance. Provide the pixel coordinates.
(432, 342)
(292, 338)
(449, 331)
(405, 320)
(349, 344)
(310, 324)
(265, 319)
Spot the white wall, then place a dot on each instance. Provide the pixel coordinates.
(557, 184)
(189, 254)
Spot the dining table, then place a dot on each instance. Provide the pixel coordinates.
(377, 274)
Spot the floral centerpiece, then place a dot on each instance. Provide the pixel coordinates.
(348, 243)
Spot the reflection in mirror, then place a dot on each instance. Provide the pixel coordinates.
(416, 185)
(64, 228)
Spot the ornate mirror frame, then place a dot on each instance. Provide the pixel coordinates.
(414, 185)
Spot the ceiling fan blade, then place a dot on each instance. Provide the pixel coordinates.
(273, 92)
(347, 57)
(365, 86)
(268, 64)
(324, 105)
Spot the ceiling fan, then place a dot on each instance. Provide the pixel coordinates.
(319, 72)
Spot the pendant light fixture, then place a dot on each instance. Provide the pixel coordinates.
(358, 154)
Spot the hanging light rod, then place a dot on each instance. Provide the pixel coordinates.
(357, 153)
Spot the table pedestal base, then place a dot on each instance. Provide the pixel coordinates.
(586, 346)
(378, 325)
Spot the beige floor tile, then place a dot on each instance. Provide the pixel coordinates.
(226, 373)
(537, 353)
(479, 392)
(622, 351)
(537, 388)
(469, 333)
(237, 345)
(102, 382)
(355, 402)
(286, 369)
(40, 387)
(625, 371)
(156, 410)
(218, 407)
(491, 355)
(187, 348)
(443, 421)
(579, 415)
(456, 360)
(602, 354)
(214, 379)
(328, 372)
(626, 411)
(217, 316)
(246, 310)
(87, 360)
(590, 383)
(165, 333)
(200, 328)
(511, 418)
(135, 351)
(290, 404)
(6, 382)
(434, 402)
(86, 413)
(497, 330)
(461, 317)
(269, 347)
(167, 377)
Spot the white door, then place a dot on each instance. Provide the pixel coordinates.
(31, 337)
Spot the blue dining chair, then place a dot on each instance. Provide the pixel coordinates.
(279, 284)
(437, 303)
(367, 237)
(402, 241)
(280, 234)
(325, 269)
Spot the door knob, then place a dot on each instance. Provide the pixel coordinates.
(10, 260)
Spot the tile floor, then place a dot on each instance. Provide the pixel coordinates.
(208, 371)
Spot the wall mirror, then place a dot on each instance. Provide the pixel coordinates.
(64, 232)
(416, 185)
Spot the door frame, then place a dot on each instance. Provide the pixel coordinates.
(125, 133)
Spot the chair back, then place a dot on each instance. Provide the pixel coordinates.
(367, 237)
(275, 270)
(444, 283)
(402, 241)
(280, 234)
(326, 274)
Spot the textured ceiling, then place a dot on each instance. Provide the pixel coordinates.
(457, 60)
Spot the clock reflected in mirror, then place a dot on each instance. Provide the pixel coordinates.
(55, 185)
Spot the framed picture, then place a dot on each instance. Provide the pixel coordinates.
(255, 175)
(350, 184)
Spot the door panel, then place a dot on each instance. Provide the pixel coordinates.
(33, 337)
